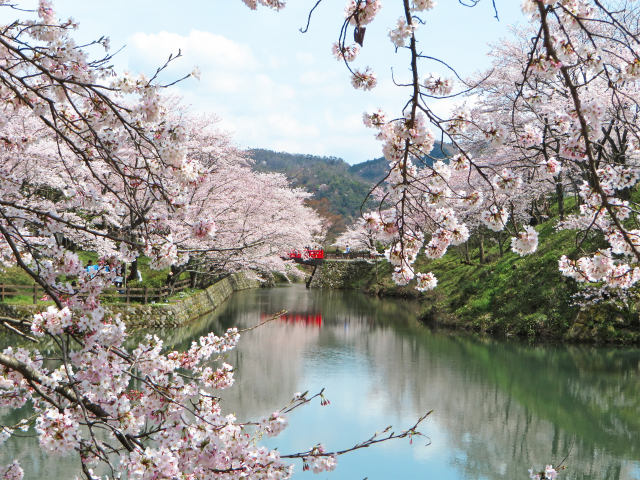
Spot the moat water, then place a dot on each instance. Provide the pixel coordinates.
(498, 407)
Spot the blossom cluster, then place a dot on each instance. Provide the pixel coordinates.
(275, 4)
(401, 32)
(364, 79)
(549, 473)
(52, 320)
(421, 5)
(526, 242)
(426, 281)
(438, 85)
(362, 12)
(318, 461)
(347, 53)
(13, 471)
(495, 218)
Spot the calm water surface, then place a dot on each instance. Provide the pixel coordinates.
(498, 408)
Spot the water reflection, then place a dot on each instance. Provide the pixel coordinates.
(309, 319)
(498, 407)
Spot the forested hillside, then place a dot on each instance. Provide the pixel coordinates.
(337, 192)
(375, 170)
(338, 188)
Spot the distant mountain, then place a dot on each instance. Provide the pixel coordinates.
(338, 189)
(337, 193)
(375, 170)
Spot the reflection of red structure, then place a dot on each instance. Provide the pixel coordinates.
(306, 253)
(300, 318)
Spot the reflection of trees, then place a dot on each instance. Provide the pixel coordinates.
(36, 465)
(269, 360)
(265, 382)
(507, 406)
(504, 406)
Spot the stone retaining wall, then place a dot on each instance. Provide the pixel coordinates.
(190, 308)
(19, 312)
(161, 314)
(340, 274)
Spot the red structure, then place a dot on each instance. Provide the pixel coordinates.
(317, 254)
(306, 254)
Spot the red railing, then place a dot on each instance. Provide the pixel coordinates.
(350, 255)
(306, 254)
(320, 254)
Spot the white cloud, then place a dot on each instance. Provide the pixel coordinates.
(345, 123)
(223, 82)
(276, 62)
(287, 125)
(317, 78)
(268, 93)
(207, 50)
(258, 99)
(305, 58)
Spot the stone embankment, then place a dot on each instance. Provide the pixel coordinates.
(160, 315)
(187, 309)
(340, 274)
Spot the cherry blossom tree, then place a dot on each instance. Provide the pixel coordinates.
(576, 86)
(113, 174)
(93, 160)
(260, 218)
(357, 237)
(543, 129)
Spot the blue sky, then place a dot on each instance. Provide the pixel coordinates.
(272, 86)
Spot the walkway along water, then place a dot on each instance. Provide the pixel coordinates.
(158, 315)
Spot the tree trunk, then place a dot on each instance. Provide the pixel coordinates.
(133, 272)
(310, 279)
(560, 195)
(377, 281)
(481, 246)
(172, 277)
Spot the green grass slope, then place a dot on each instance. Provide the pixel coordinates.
(511, 295)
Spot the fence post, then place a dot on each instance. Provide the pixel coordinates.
(146, 294)
(35, 293)
(2, 292)
(127, 294)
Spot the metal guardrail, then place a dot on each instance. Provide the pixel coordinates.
(113, 294)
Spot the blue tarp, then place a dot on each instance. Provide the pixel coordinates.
(93, 269)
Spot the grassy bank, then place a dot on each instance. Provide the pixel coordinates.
(151, 279)
(509, 295)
